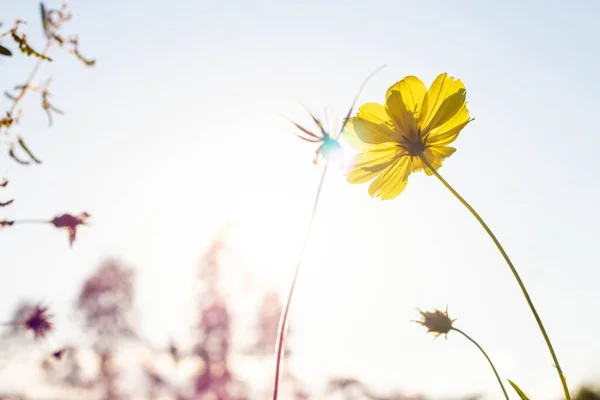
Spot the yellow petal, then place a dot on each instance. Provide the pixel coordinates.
(436, 155)
(416, 164)
(403, 103)
(360, 175)
(369, 164)
(372, 133)
(448, 109)
(448, 132)
(442, 151)
(383, 153)
(373, 125)
(349, 135)
(392, 180)
(443, 100)
(413, 92)
(373, 112)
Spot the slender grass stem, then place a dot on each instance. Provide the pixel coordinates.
(30, 221)
(512, 269)
(27, 85)
(10, 223)
(286, 310)
(487, 357)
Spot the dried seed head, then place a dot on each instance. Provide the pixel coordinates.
(331, 150)
(436, 321)
(39, 322)
(70, 223)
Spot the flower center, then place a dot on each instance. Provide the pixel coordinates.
(331, 149)
(415, 148)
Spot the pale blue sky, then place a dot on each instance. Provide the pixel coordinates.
(176, 131)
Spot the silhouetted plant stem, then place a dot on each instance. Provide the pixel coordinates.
(512, 269)
(286, 309)
(487, 357)
(30, 221)
(6, 223)
(26, 86)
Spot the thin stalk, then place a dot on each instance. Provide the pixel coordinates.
(512, 269)
(30, 221)
(30, 78)
(27, 85)
(286, 310)
(487, 357)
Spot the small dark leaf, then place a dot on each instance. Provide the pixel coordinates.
(50, 119)
(12, 155)
(4, 51)
(56, 110)
(6, 203)
(29, 153)
(44, 19)
(90, 62)
(59, 39)
(522, 395)
(6, 121)
(26, 48)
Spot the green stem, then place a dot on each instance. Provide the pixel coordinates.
(513, 270)
(487, 357)
(286, 310)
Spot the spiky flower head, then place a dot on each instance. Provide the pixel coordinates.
(39, 322)
(328, 141)
(329, 147)
(436, 321)
(70, 223)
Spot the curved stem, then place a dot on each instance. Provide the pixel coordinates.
(286, 310)
(512, 269)
(487, 357)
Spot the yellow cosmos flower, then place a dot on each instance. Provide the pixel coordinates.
(414, 123)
